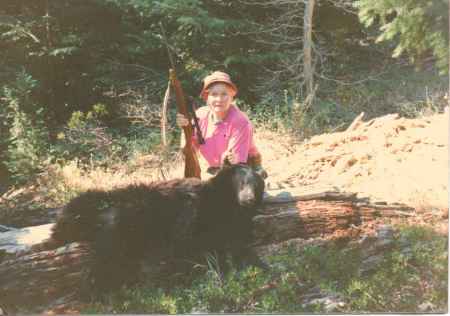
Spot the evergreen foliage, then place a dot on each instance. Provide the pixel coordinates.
(26, 143)
(417, 27)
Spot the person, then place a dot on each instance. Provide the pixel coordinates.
(226, 130)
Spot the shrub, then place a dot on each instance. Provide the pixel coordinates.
(27, 137)
(323, 117)
(84, 138)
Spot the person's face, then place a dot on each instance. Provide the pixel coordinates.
(220, 97)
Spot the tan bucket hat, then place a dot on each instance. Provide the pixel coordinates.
(216, 76)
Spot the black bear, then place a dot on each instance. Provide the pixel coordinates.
(179, 218)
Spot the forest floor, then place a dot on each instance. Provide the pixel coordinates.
(387, 159)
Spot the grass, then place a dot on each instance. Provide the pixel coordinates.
(412, 275)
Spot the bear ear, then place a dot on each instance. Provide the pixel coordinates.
(261, 172)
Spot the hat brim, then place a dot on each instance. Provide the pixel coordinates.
(204, 93)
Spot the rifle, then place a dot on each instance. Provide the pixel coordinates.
(192, 109)
(191, 164)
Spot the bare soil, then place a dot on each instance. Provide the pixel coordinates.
(389, 158)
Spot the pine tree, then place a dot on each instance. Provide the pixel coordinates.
(417, 27)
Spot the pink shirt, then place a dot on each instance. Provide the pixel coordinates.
(233, 134)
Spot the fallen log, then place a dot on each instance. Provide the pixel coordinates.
(295, 214)
(42, 280)
(33, 281)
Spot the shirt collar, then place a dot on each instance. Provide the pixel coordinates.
(215, 121)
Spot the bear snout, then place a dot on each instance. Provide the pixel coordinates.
(247, 197)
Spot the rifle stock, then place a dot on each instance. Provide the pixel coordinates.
(191, 164)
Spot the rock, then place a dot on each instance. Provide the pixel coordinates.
(297, 244)
(385, 231)
(374, 248)
(426, 307)
(198, 311)
(4, 228)
(370, 264)
(330, 302)
(385, 237)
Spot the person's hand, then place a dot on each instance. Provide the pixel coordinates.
(230, 157)
(181, 120)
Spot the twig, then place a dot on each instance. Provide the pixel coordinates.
(164, 117)
(356, 122)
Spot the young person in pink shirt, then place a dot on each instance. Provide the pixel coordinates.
(228, 133)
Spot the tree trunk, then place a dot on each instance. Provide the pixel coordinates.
(308, 71)
(38, 280)
(48, 57)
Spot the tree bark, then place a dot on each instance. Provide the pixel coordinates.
(308, 71)
(35, 282)
(288, 216)
(43, 279)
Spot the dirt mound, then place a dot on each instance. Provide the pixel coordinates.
(388, 158)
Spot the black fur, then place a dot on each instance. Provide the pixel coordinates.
(179, 219)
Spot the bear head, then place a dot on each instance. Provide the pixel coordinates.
(240, 185)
